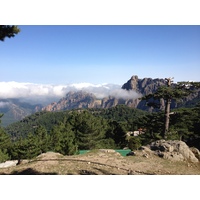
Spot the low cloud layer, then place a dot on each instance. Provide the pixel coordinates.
(3, 104)
(49, 93)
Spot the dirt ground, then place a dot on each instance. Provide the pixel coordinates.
(101, 163)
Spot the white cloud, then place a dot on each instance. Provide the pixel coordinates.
(3, 104)
(49, 93)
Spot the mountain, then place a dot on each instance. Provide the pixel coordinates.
(14, 110)
(82, 99)
(145, 86)
(148, 85)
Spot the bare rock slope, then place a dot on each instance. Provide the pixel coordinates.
(103, 162)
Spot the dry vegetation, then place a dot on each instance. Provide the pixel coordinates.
(102, 163)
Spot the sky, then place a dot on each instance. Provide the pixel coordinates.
(49, 60)
(100, 54)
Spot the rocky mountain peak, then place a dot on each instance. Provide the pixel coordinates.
(144, 86)
(131, 84)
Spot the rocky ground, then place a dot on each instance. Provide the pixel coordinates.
(102, 162)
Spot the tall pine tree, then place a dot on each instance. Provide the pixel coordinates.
(168, 93)
(89, 130)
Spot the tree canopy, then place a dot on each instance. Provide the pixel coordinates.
(67, 132)
(167, 94)
(8, 31)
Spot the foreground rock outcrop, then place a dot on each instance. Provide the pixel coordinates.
(174, 150)
(102, 162)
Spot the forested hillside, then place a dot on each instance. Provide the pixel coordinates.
(69, 131)
(48, 120)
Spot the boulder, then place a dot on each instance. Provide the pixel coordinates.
(146, 149)
(196, 152)
(173, 150)
(174, 156)
(9, 163)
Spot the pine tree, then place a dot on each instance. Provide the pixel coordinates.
(8, 31)
(42, 138)
(18, 150)
(89, 130)
(63, 139)
(5, 143)
(55, 139)
(25, 148)
(168, 93)
(68, 142)
(32, 147)
(117, 132)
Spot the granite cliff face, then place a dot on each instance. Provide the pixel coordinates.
(87, 100)
(148, 85)
(74, 100)
(143, 87)
(83, 99)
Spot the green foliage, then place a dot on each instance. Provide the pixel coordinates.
(42, 138)
(134, 143)
(25, 148)
(5, 143)
(69, 131)
(177, 134)
(117, 132)
(107, 143)
(89, 130)
(30, 146)
(8, 31)
(62, 139)
(3, 156)
(1, 115)
(168, 93)
(30, 123)
(120, 113)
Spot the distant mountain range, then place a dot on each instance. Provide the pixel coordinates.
(82, 99)
(141, 87)
(15, 110)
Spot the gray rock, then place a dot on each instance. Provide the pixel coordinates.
(146, 149)
(8, 163)
(173, 150)
(175, 156)
(196, 152)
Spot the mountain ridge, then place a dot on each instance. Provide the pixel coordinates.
(84, 99)
(14, 110)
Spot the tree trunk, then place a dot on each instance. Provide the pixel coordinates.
(19, 161)
(167, 109)
(167, 117)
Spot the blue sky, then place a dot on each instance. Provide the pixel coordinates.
(100, 54)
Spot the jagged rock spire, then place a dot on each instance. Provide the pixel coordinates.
(132, 84)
